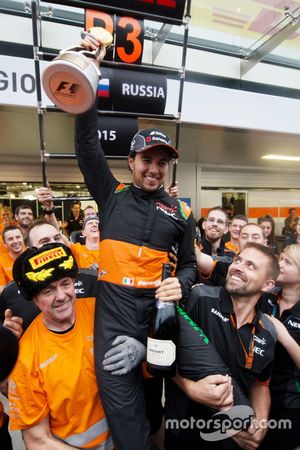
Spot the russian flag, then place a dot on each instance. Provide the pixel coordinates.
(103, 88)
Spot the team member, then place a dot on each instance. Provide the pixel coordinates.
(87, 255)
(75, 220)
(39, 234)
(216, 270)
(215, 390)
(139, 225)
(285, 380)
(89, 211)
(24, 217)
(8, 357)
(14, 243)
(52, 390)
(268, 225)
(235, 227)
(215, 226)
(290, 222)
(243, 337)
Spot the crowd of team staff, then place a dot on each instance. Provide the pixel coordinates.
(80, 380)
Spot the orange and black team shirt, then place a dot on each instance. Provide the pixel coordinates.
(248, 351)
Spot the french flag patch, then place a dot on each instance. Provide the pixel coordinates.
(103, 88)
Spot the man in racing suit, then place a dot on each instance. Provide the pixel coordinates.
(139, 225)
(138, 228)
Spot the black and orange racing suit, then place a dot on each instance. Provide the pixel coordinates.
(138, 229)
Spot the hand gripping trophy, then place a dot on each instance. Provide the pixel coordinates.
(71, 79)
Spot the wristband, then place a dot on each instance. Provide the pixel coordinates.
(48, 211)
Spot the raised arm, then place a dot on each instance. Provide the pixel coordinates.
(93, 165)
(286, 340)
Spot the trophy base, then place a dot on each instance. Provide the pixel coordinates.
(70, 81)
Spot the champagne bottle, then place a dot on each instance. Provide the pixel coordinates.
(163, 336)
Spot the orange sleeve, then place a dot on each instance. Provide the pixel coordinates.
(2, 276)
(27, 401)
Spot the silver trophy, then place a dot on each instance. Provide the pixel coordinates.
(71, 79)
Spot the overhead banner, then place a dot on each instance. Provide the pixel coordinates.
(116, 133)
(168, 11)
(132, 91)
(119, 90)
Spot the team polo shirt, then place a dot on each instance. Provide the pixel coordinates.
(54, 376)
(86, 259)
(285, 379)
(212, 310)
(6, 264)
(231, 247)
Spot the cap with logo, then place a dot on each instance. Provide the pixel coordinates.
(87, 219)
(145, 140)
(36, 268)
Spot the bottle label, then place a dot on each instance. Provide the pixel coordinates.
(160, 352)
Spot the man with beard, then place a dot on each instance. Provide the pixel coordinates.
(215, 226)
(243, 337)
(24, 217)
(215, 270)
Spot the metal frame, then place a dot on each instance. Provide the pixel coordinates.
(158, 40)
(252, 57)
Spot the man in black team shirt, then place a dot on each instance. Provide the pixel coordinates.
(215, 227)
(244, 338)
(215, 270)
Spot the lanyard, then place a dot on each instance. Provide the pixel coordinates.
(248, 355)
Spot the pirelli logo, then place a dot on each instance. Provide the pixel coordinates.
(43, 258)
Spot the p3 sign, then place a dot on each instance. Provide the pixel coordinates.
(129, 35)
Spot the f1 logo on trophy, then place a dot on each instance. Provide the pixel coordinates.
(71, 79)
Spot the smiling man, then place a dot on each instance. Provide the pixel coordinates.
(14, 243)
(24, 217)
(52, 390)
(244, 338)
(140, 224)
(215, 226)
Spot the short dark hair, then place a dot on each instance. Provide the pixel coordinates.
(23, 206)
(272, 268)
(9, 228)
(240, 217)
(36, 223)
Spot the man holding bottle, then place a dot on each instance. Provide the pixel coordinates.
(139, 226)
